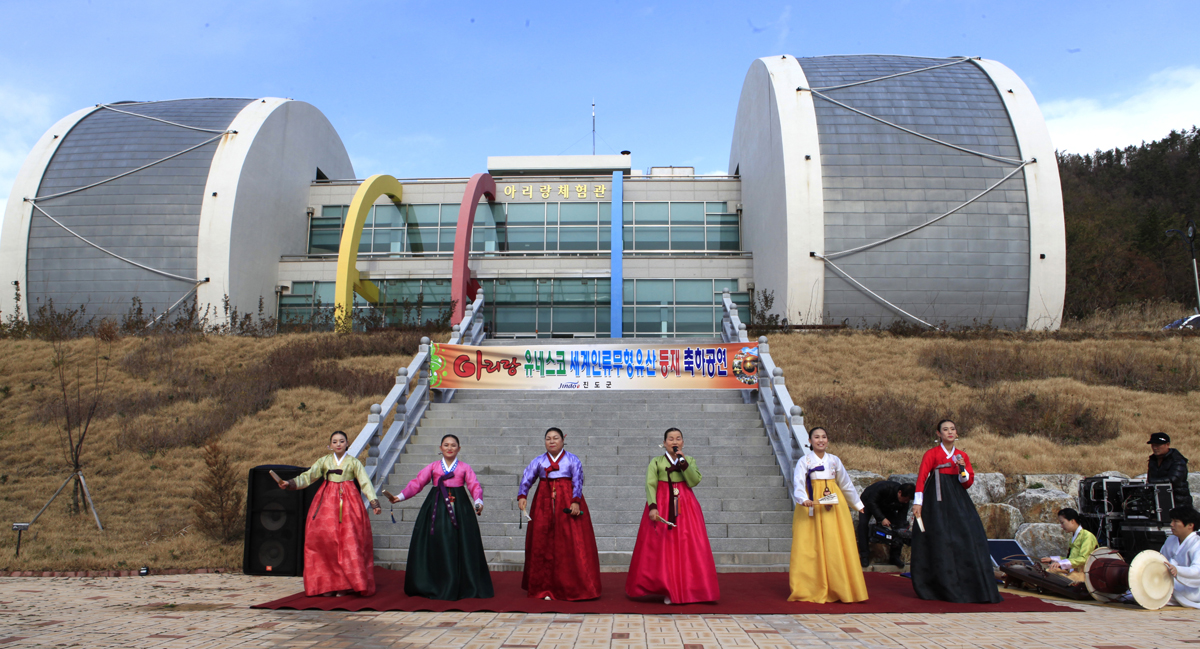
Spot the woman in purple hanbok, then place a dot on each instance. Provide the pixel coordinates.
(561, 561)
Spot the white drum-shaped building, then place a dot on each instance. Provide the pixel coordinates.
(155, 200)
(878, 188)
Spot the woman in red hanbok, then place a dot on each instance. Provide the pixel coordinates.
(672, 558)
(561, 561)
(339, 555)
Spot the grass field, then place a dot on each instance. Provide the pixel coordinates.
(1082, 400)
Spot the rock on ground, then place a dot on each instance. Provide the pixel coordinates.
(1043, 539)
(863, 479)
(910, 478)
(987, 488)
(1042, 505)
(1111, 474)
(1000, 521)
(1067, 482)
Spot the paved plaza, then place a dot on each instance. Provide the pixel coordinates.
(213, 611)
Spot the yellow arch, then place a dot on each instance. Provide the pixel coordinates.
(348, 280)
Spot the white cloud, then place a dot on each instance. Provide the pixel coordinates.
(24, 116)
(1168, 100)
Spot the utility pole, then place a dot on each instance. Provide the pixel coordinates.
(593, 126)
(1190, 239)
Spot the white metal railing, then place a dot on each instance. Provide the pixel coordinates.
(782, 418)
(384, 446)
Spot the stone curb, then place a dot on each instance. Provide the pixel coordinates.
(111, 573)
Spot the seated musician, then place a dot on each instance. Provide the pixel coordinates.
(1182, 551)
(1083, 543)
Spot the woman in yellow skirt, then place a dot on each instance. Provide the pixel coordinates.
(825, 565)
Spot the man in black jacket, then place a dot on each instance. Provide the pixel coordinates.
(1169, 466)
(887, 502)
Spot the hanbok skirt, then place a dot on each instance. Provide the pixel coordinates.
(561, 560)
(824, 564)
(674, 562)
(445, 556)
(950, 559)
(339, 554)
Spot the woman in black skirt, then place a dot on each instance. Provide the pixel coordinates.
(950, 559)
(445, 557)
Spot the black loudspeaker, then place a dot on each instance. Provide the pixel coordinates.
(1137, 538)
(275, 523)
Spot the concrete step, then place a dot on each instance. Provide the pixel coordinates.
(604, 483)
(495, 530)
(505, 515)
(521, 408)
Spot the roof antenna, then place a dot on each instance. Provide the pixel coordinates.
(593, 126)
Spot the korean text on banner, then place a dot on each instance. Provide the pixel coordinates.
(727, 366)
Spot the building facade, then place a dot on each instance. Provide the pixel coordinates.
(862, 190)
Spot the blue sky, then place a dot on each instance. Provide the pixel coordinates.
(433, 88)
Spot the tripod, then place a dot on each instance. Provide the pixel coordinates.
(21, 527)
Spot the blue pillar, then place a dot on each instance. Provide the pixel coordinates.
(617, 283)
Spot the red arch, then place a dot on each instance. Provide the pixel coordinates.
(463, 287)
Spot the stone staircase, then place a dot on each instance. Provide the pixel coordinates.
(746, 506)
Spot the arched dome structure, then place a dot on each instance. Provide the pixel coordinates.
(878, 188)
(157, 199)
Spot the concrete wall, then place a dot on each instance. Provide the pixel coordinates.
(256, 197)
(782, 215)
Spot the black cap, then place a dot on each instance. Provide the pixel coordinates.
(1159, 438)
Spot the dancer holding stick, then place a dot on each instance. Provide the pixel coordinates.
(561, 560)
(445, 557)
(672, 558)
(824, 563)
(950, 559)
(339, 554)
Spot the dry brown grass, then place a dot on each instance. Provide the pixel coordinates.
(871, 369)
(144, 499)
(1149, 315)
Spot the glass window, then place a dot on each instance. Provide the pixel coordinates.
(446, 240)
(605, 239)
(724, 237)
(652, 213)
(483, 239)
(687, 213)
(516, 291)
(574, 319)
(422, 239)
(422, 214)
(388, 216)
(324, 242)
(574, 291)
(605, 213)
(627, 235)
(391, 240)
(645, 238)
(333, 223)
(577, 213)
(364, 242)
(295, 300)
(450, 213)
(687, 238)
(694, 320)
(515, 320)
(627, 321)
(655, 320)
(324, 292)
(722, 219)
(577, 238)
(603, 323)
(655, 291)
(544, 323)
(694, 291)
(627, 292)
(526, 213)
(715, 208)
(436, 291)
(627, 213)
(334, 211)
(483, 214)
(551, 213)
(526, 239)
(603, 292)
(399, 290)
(302, 288)
(551, 239)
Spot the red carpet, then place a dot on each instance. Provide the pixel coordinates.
(763, 593)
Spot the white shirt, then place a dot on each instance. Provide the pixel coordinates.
(1185, 557)
(834, 470)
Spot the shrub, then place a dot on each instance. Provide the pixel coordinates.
(218, 510)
